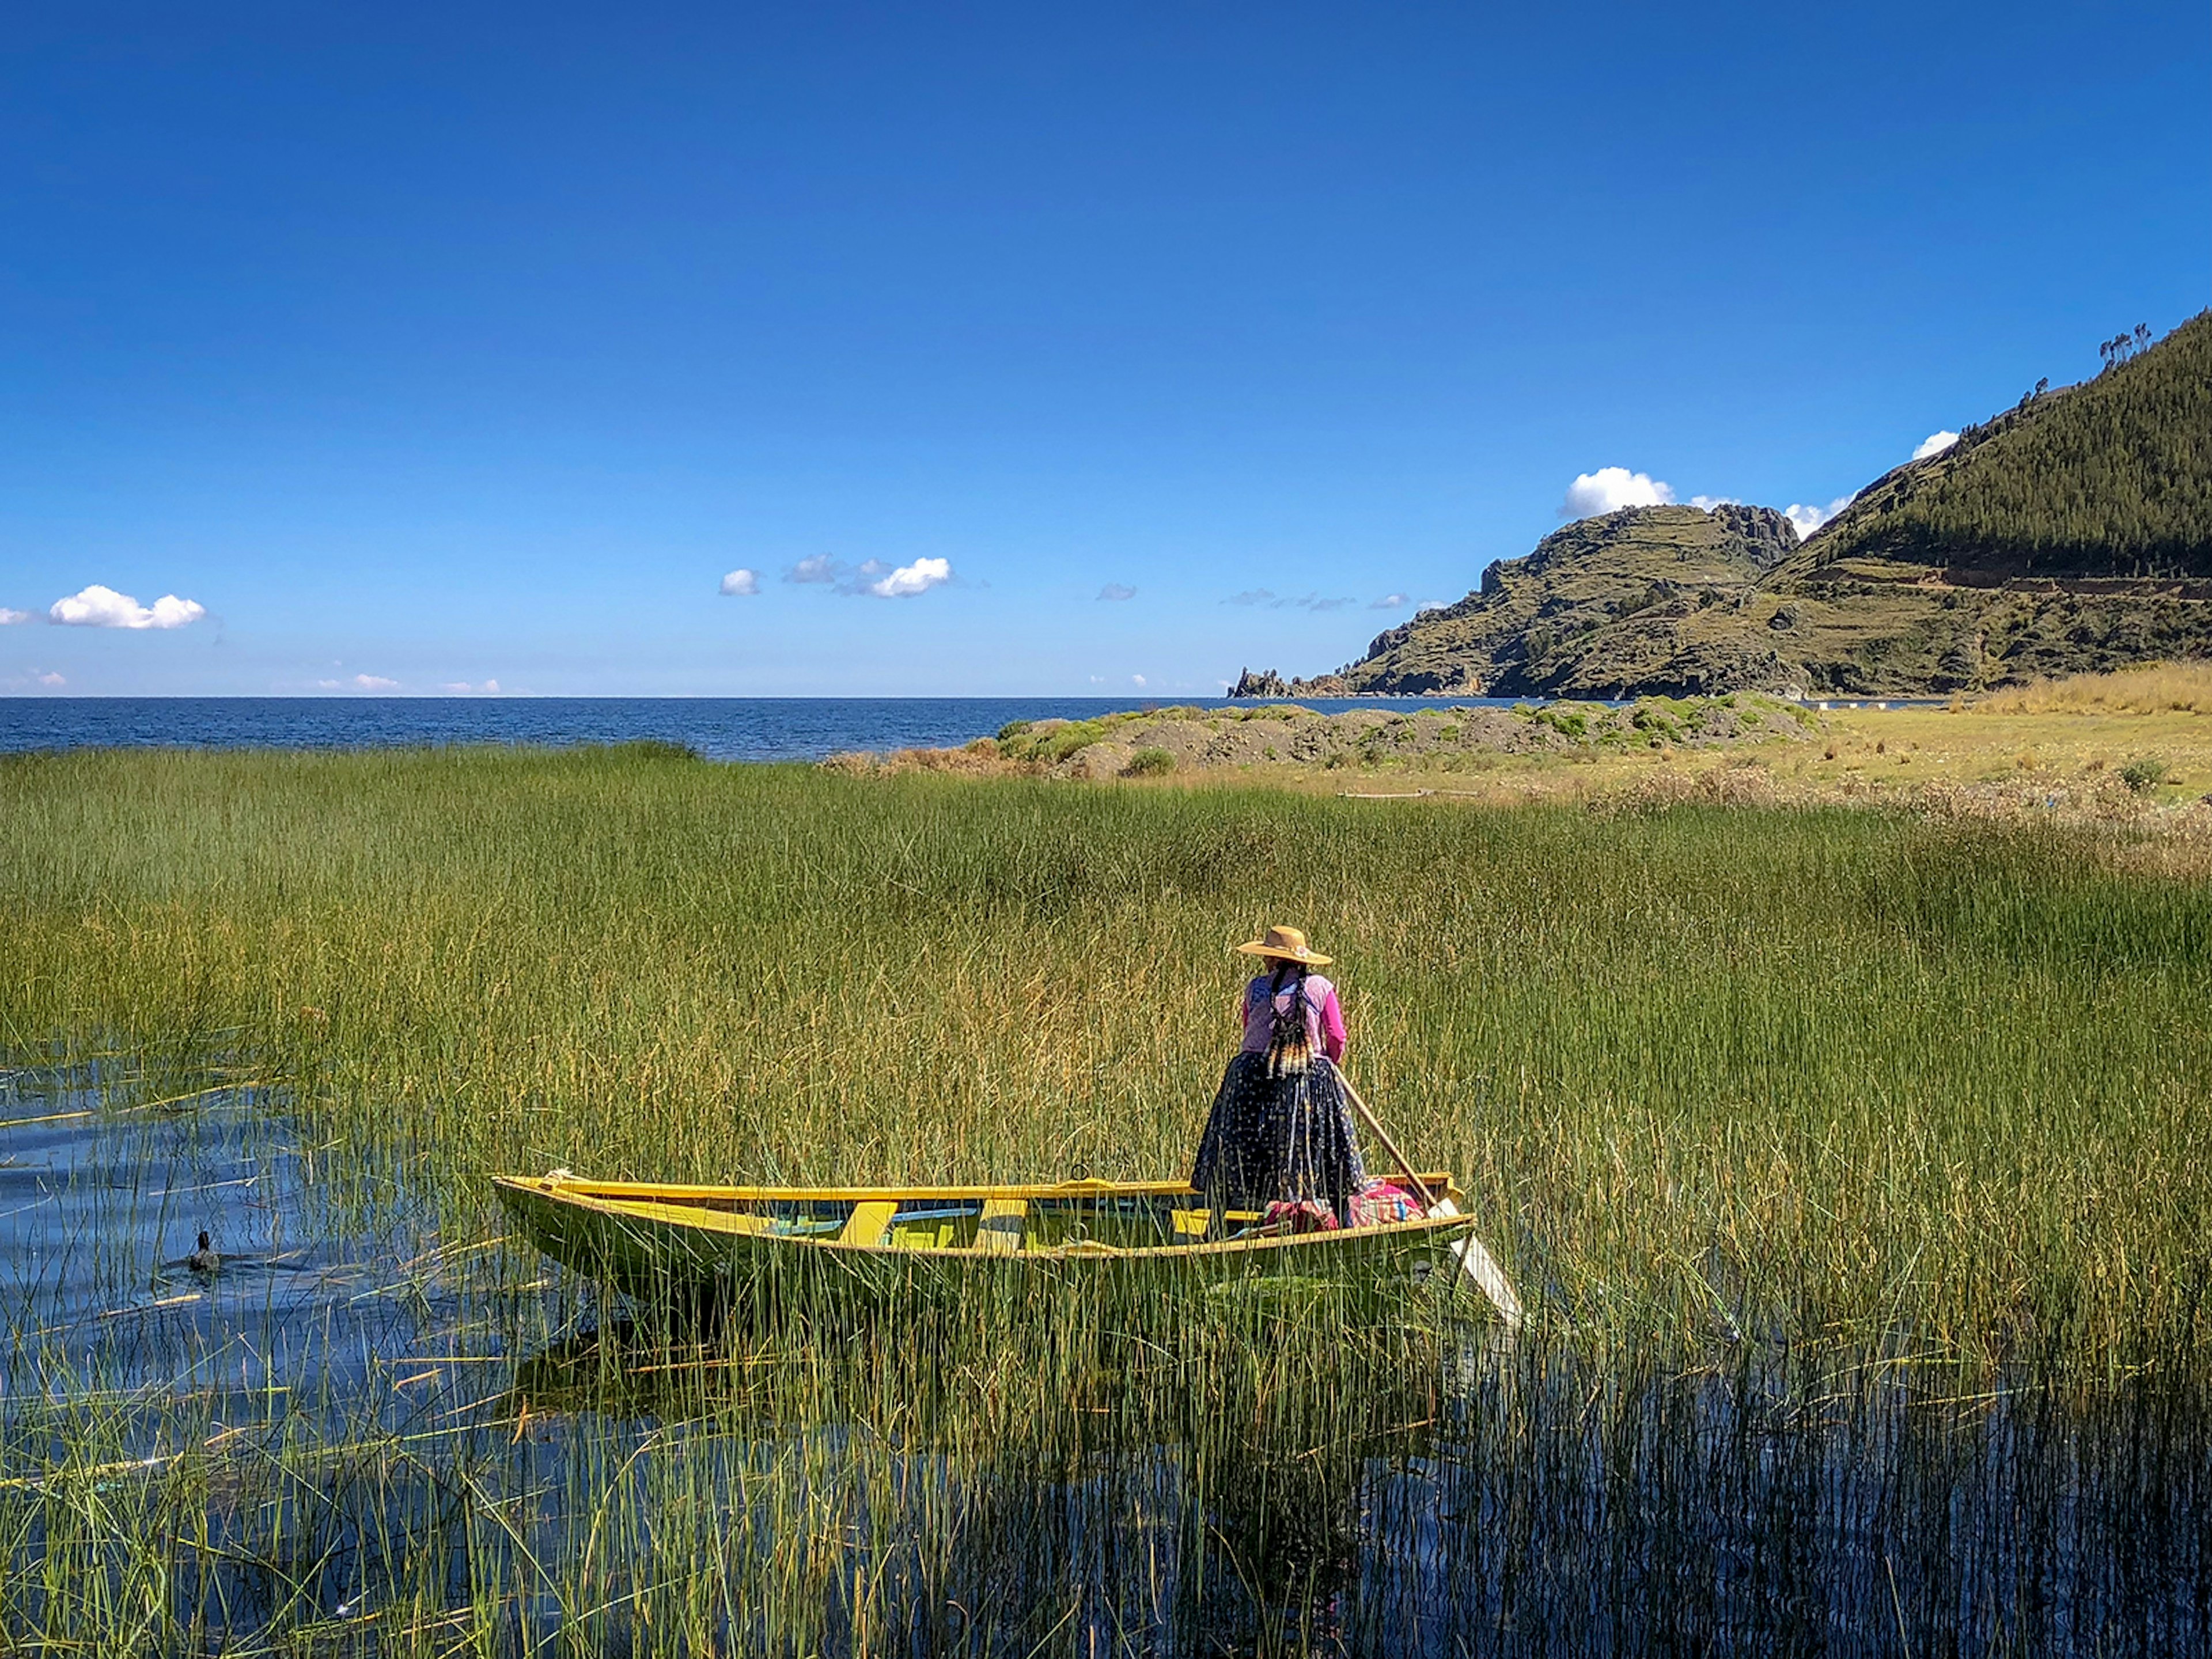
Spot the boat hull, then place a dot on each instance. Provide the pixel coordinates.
(661, 1244)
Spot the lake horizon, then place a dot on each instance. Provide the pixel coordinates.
(792, 728)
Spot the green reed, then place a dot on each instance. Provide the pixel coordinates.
(1787, 1073)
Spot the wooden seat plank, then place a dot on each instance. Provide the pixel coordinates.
(711, 1221)
(1000, 1231)
(866, 1224)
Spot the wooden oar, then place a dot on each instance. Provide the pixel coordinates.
(1480, 1265)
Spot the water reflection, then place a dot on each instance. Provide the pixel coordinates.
(1526, 1499)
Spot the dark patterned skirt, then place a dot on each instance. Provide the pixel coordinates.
(1289, 1137)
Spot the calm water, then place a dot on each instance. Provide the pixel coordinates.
(357, 1389)
(721, 728)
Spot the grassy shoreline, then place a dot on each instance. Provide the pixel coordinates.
(2126, 756)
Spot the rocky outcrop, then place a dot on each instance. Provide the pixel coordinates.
(1632, 602)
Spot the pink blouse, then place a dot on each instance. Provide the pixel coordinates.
(1324, 1017)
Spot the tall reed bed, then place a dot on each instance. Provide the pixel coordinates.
(1785, 1076)
(1854, 1164)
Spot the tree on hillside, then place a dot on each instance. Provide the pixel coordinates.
(2121, 347)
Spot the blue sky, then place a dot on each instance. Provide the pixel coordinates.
(435, 347)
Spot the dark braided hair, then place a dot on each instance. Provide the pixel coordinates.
(1290, 1050)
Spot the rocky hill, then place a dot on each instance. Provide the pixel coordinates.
(2071, 534)
(1640, 599)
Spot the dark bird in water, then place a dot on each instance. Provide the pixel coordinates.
(206, 1258)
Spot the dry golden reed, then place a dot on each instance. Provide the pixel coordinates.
(2155, 688)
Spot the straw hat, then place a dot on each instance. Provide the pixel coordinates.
(1288, 943)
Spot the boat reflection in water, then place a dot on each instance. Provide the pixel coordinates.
(1084, 1489)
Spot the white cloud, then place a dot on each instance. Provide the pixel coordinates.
(1390, 602)
(359, 683)
(1267, 599)
(1610, 489)
(49, 678)
(1810, 519)
(1709, 503)
(462, 688)
(7, 616)
(1136, 679)
(1099, 679)
(103, 607)
(1117, 591)
(741, 583)
(911, 578)
(871, 576)
(1935, 443)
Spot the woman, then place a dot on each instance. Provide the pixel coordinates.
(1280, 1128)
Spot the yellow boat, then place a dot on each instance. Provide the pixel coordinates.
(642, 1239)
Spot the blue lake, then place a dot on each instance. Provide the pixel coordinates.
(721, 728)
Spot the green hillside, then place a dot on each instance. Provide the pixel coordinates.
(2112, 478)
(2071, 534)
